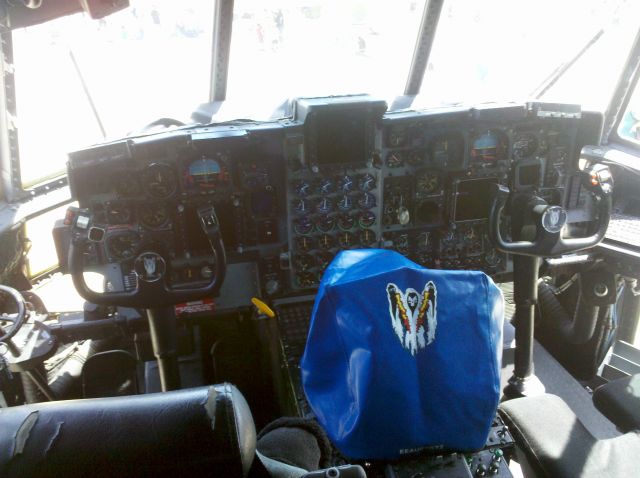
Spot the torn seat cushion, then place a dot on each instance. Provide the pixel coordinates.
(205, 431)
(400, 358)
(557, 444)
(619, 401)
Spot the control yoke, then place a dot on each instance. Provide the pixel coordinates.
(16, 319)
(550, 220)
(152, 290)
(536, 232)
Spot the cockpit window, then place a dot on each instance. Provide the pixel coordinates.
(281, 49)
(501, 50)
(629, 126)
(79, 81)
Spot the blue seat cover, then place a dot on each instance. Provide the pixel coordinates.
(400, 358)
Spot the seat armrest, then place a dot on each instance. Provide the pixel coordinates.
(194, 432)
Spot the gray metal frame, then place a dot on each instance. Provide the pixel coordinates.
(624, 89)
(221, 45)
(424, 42)
(9, 154)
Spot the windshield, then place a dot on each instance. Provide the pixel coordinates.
(282, 49)
(79, 81)
(505, 50)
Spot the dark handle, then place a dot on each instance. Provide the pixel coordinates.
(21, 313)
(545, 243)
(149, 294)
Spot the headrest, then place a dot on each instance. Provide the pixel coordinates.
(400, 358)
(193, 432)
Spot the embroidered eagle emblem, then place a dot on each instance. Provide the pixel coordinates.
(413, 315)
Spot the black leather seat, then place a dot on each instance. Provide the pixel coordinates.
(207, 431)
(556, 444)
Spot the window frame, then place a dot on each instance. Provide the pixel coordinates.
(626, 87)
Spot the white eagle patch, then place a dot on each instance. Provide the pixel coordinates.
(413, 315)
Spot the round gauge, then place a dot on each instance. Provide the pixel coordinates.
(325, 186)
(300, 206)
(324, 259)
(401, 244)
(159, 181)
(302, 188)
(118, 213)
(126, 184)
(427, 182)
(367, 201)
(489, 147)
(304, 261)
(524, 145)
(303, 225)
(345, 203)
(367, 182)
(447, 150)
(416, 157)
(325, 241)
(346, 221)
(366, 219)
(206, 174)
(396, 137)
(394, 159)
(123, 245)
(324, 206)
(304, 243)
(154, 215)
(367, 237)
(346, 240)
(346, 184)
(325, 223)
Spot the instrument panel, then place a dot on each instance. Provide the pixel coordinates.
(341, 174)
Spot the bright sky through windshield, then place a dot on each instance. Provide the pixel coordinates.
(153, 60)
(282, 49)
(503, 50)
(149, 61)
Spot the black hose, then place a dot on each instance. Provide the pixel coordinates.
(578, 329)
(65, 379)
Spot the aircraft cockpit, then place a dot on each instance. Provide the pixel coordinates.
(163, 269)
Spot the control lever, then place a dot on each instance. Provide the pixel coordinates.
(153, 292)
(536, 232)
(211, 227)
(152, 288)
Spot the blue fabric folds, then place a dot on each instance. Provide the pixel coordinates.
(400, 358)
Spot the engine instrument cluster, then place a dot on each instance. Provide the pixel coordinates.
(341, 174)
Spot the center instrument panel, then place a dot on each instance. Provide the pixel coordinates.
(341, 174)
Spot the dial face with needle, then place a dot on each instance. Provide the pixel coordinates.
(367, 237)
(304, 243)
(159, 181)
(326, 241)
(154, 215)
(427, 182)
(346, 240)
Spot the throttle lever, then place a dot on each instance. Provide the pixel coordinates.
(211, 227)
